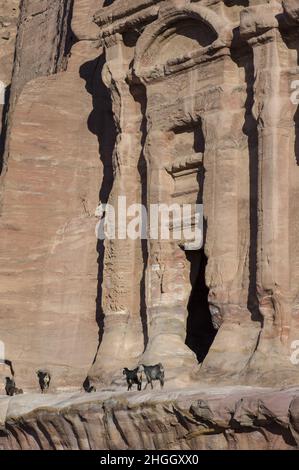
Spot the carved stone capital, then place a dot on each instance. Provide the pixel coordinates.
(259, 20)
(113, 40)
(291, 8)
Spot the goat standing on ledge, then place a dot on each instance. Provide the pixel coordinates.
(44, 379)
(153, 373)
(11, 389)
(133, 377)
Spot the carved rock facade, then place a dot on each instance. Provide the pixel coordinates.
(163, 102)
(211, 83)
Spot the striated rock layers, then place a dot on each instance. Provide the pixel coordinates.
(201, 419)
(159, 102)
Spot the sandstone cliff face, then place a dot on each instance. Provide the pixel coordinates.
(9, 13)
(39, 48)
(163, 102)
(8, 29)
(51, 192)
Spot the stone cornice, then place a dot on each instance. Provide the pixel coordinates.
(258, 22)
(291, 8)
(120, 14)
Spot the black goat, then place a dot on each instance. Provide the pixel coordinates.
(88, 387)
(10, 387)
(44, 379)
(153, 373)
(133, 377)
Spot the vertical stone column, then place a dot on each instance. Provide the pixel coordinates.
(222, 161)
(123, 337)
(168, 284)
(273, 112)
(227, 213)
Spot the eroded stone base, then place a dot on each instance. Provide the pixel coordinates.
(203, 418)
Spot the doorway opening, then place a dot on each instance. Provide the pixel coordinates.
(200, 330)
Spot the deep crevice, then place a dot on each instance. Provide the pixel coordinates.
(4, 126)
(101, 124)
(71, 38)
(242, 55)
(66, 39)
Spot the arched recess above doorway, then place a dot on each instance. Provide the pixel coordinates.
(180, 37)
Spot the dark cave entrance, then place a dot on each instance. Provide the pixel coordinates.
(200, 330)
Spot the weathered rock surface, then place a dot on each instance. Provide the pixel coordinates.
(163, 102)
(9, 12)
(190, 419)
(48, 247)
(40, 48)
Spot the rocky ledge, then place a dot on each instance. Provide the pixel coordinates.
(201, 419)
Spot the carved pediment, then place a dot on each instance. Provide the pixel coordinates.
(178, 42)
(179, 36)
